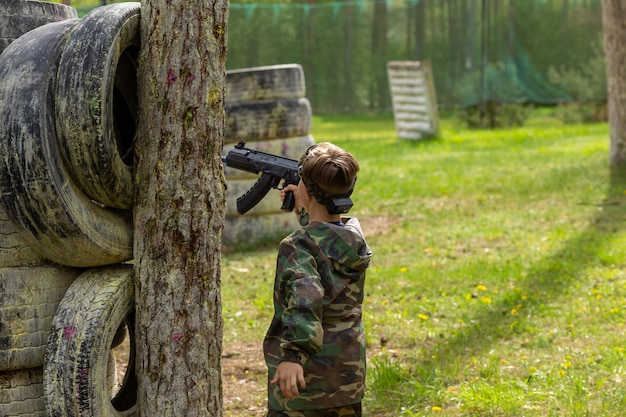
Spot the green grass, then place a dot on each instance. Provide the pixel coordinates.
(497, 286)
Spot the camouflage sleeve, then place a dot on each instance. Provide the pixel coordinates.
(302, 317)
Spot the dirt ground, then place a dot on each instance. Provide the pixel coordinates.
(244, 380)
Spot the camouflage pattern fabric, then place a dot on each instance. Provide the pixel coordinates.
(318, 296)
(353, 410)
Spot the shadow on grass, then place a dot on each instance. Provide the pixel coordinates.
(548, 277)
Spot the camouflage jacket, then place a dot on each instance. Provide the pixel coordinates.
(318, 296)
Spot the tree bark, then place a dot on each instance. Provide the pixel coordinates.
(180, 207)
(614, 29)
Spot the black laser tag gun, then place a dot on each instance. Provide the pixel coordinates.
(272, 168)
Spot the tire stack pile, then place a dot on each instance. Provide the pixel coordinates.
(266, 107)
(30, 289)
(67, 108)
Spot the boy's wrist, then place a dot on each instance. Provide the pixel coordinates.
(293, 356)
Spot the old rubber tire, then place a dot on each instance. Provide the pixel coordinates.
(100, 301)
(267, 83)
(21, 393)
(251, 229)
(14, 251)
(96, 102)
(56, 218)
(29, 297)
(19, 17)
(267, 119)
(4, 42)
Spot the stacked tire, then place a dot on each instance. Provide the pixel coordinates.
(266, 107)
(30, 287)
(19, 17)
(67, 121)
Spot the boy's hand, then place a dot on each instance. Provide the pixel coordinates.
(293, 188)
(289, 375)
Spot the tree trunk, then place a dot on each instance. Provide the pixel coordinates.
(614, 28)
(180, 207)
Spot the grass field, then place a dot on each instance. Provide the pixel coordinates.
(497, 283)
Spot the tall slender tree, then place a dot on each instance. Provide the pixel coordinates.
(614, 29)
(180, 207)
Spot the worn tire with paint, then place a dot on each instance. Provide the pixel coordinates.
(96, 102)
(267, 119)
(96, 305)
(29, 297)
(37, 192)
(21, 393)
(19, 17)
(267, 83)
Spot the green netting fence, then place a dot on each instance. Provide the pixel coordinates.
(507, 51)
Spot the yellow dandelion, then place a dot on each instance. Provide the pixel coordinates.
(532, 369)
(485, 300)
(481, 287)
(562, 372)
(514, 312)
(436, 408)
(422, 316)
(404, 269)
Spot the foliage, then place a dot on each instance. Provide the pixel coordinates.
(585, 81)
(497, 285)
(493, 114)
(586, 85)
(500, 82)
(344, 46)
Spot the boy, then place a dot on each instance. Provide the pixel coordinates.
(315, 345)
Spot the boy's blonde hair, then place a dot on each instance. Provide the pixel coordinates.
(328, 171)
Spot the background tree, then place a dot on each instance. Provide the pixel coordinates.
(180, 207)
(614, 28)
